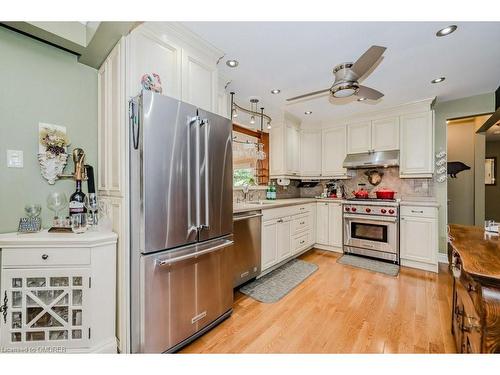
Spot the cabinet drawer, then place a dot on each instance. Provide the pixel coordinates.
(301, 209)
(301, 241)
(419, 211)
(40, 257)
(301, 223)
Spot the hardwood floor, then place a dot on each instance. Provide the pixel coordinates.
(340, 309)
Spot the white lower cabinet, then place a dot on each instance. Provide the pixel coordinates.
(284, 243)
(419, 242)
(286, 232)
(329, 225)
(58, 293)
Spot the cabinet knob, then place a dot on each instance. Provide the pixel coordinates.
(45, 256)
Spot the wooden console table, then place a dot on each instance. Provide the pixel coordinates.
(475, 264)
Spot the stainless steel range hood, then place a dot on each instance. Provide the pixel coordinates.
(372, 159)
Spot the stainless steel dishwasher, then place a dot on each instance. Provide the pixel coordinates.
(247, 246)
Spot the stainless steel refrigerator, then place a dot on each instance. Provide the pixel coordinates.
(181, 222)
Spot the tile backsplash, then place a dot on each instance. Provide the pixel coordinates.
(405, 188)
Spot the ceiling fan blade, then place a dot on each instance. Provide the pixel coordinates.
(369, 93)
(306, 95)
(367, 60)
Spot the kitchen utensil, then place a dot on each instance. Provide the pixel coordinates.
(361, 193)
(385, 193)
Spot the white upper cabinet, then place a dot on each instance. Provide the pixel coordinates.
(385, 134)
(310, 153)
(417, 145)
(152, 53)
(199, 81)
(110, 129)
(333, 152)
(359, 137)
(376, 135)
(285, 148)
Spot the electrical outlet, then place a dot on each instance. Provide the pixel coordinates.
(15, 159)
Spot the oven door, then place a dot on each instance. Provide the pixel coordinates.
(373, 233)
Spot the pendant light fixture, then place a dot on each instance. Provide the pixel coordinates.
(253, 112)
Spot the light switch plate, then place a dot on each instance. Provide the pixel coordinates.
(15, 159)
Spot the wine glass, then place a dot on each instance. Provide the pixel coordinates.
(56, 201)
(33, 209)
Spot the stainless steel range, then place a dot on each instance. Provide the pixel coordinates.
(371, 228)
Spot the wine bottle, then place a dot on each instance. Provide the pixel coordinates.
(77, 199)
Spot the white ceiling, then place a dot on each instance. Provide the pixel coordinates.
(298, 57)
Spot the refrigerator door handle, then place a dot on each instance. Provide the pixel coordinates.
(167, 262)
(134, 124)
(206, 225)
(196, 122)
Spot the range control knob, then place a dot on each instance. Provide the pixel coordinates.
(383, 210)
(368, 210)
(353, 209)
(391, 211)
(347, 209)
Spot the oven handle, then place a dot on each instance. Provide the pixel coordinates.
(371, 218)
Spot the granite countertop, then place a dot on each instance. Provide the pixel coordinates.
(421, 202)
(243, 207)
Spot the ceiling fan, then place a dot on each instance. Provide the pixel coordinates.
(347, 76)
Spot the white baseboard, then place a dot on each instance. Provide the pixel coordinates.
(443, 258)
(328, 248)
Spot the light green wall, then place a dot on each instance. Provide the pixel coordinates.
(465, 107)
(40, 83)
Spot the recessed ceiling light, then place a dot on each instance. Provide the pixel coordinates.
(447, 30)
(275, 91)
(307, 112)
(361, 99)
(437, 80)
(232, 63)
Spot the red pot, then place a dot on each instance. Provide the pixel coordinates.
(361, 193)
(385, 193)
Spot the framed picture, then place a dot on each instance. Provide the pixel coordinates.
(490, 171)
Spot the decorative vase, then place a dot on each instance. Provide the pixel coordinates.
(52, 165)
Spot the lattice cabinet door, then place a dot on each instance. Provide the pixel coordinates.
(45, 307)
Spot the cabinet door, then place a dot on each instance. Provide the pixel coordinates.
(310, 153)
(335, 224)
(150, 53)
(102, 138)
(199, 81)
(418, 239)
(334, 151)
(385, 134)
(291, 150)
(269, 255)
(359, 137)
(284, 239)
(322, 223)
(417, 145)
(276, 150)
(46, 307)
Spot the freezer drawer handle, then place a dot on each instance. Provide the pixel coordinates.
(167, 262)
(198, 317)
(246, 217)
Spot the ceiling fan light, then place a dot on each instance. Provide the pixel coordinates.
(344, 89)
